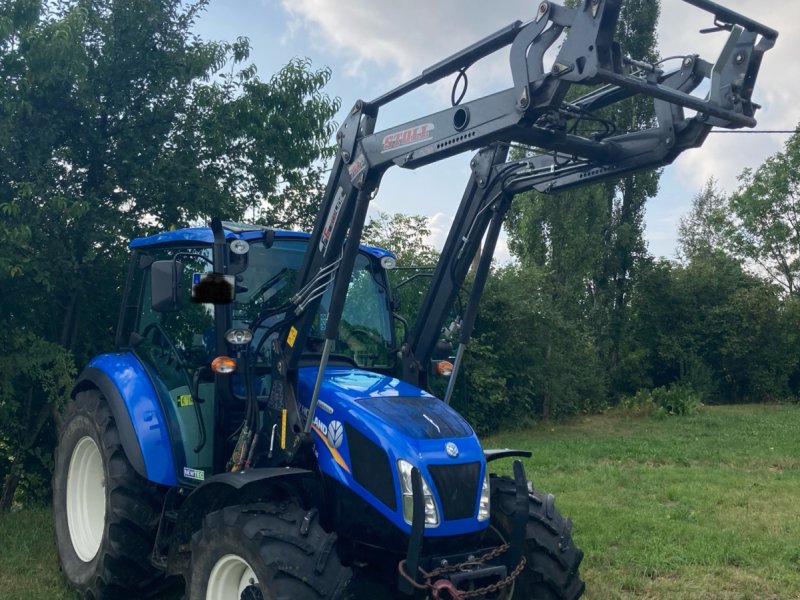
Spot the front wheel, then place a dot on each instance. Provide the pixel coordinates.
(552, 559)
(265, 551)
(105, 514)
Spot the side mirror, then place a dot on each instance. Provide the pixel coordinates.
(166, 285)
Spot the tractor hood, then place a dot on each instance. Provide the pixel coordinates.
(414, 413)
(366, 422)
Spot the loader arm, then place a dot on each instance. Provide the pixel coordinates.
(532, 112)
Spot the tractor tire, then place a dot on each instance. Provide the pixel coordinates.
(106, 515)
(552, 559)
(265, 551)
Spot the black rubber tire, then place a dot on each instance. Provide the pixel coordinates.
(121, 568)
(551, 571)
(293, 557)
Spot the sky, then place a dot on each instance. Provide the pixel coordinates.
(374, 45)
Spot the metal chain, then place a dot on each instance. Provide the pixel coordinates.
(493, 553)
(489, 589)
(463, 595)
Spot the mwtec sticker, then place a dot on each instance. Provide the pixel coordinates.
(196, 474)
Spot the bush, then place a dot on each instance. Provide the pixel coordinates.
(680, 400)
(641, 403)
(676, 400)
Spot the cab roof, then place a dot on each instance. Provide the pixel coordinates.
(242, 231)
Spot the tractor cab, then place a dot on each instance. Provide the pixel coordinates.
(192, 351)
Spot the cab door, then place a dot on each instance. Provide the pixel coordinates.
(176, 347)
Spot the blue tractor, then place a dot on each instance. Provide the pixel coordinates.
(263, 428)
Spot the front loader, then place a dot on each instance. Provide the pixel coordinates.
(260, 431)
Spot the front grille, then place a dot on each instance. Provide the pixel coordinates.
(371, 466)
(458, 488)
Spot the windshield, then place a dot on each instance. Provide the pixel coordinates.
(269, 281)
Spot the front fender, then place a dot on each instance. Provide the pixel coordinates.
(226, 489)
(137, 412)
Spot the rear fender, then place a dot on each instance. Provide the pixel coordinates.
(134, 403)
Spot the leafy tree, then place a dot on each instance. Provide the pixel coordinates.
(116, 121)
(589, 242)
(714, 328)
(704, 230)
(405, 235)
(526, 360)
(766, 217)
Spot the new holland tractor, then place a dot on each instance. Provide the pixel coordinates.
(263, 428)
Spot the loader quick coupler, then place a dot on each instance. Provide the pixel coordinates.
(469, 575)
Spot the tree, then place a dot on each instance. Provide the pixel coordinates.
(116, 121)
(588, 243)
(526, 360)
(711, 326)
(704, 230)
(405, 235)
(765, 228)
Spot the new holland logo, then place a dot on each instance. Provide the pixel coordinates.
(452, 449)
(335, 433)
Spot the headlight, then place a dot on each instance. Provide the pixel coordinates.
(388, 262)
(239, 337)
(485, 507)
(431, 512)
(239, 247)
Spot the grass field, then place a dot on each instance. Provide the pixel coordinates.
(706, 506)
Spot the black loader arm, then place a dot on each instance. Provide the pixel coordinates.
(533, 112)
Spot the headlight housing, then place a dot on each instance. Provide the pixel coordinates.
(485, 506)
(431, 511)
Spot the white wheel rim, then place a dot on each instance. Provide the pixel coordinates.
(86, 499)
(229, 578)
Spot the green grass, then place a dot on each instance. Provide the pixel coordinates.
(706, 506)
(28, 563)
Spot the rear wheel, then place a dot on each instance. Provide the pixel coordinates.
(265, 551)
(552, 559)
(106, 515)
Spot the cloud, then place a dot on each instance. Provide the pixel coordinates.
(440, 225)
(404, 38)
(502, 255)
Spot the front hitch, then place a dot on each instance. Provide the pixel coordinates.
(463, 569)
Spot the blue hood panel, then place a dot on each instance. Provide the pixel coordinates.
(413, 412)
(420, 418)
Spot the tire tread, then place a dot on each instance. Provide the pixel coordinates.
(553, 558)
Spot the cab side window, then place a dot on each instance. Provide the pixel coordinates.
(178, 340)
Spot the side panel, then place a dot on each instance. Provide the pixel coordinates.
(134, 403)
